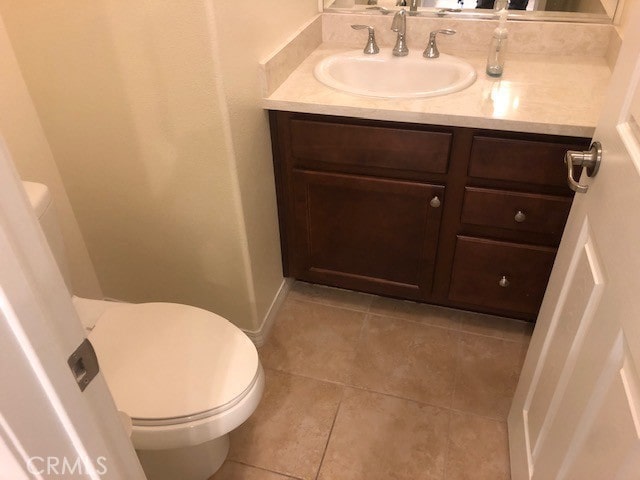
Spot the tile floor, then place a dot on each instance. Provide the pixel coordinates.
(361, 387)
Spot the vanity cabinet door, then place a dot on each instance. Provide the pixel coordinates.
(364, 233)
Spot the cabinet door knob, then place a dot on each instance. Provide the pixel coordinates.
(520, 216)
(435, 202)
(504, 282)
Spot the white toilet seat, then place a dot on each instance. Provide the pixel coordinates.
(159, 422)
(161, 437)
(184, 375)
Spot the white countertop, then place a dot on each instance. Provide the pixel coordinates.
(559, 95)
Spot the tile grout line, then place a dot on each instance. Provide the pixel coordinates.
(477, 415)
(363, 327)
(458, 330)
(386, 394)
(368, 310)
(416, 322)
(333, 424)
(456, 375)
(325, 304)
(282, 474)
(446, 448)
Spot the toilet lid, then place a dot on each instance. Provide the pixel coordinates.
(164, 360)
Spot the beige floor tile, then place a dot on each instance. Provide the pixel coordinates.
(416, 312)
(289, 430)
(488, 375)
(380, 437)
(238, 471)
(314, 340)
(478, 449)
(330, 296)
(407, 359)
(493, 326)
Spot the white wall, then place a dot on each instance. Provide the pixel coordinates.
(243, 40)
(152, 111)
(621, 19)
(22, 131)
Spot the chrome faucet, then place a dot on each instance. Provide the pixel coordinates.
(413, 4)
(399, 25)
(432, 48)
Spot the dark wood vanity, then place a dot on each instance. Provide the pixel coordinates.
(452, 216)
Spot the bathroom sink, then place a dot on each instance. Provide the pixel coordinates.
(384, 75)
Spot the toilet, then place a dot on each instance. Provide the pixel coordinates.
(185, 376)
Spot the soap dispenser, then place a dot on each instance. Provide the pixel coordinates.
(498, 47)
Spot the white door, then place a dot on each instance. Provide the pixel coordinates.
(48, 427)
(576, 412)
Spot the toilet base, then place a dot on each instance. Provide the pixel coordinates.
(197, 462)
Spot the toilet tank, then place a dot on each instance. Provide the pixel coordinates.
(42, 204)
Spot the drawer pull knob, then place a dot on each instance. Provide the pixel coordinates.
(520, 216)
(504, 282)
(435, 202)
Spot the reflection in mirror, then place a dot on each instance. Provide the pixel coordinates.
(558, 10)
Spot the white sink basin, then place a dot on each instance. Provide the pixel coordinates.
(384, 75)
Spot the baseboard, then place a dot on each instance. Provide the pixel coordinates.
(259, 336)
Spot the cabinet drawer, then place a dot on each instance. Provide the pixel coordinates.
(368, 146)
(480, 264)
(527, 212)
(540, 163)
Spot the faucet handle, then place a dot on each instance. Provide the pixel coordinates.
(383, 11)
(371, 48)
(432, 48)
(443, 11)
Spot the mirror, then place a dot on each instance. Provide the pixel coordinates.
(592, 11)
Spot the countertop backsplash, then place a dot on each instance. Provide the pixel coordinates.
(535, 37)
